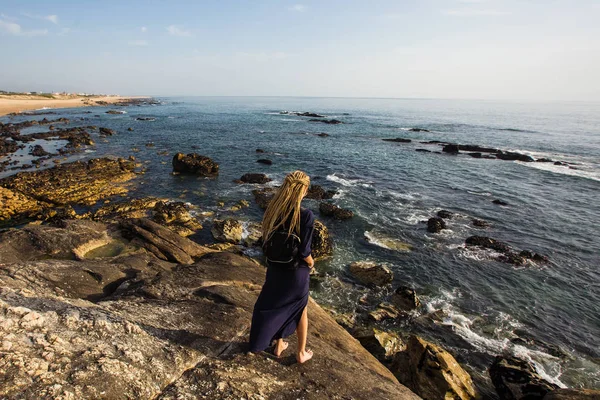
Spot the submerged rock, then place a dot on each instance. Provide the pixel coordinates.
(397, 140)
(500, 202)
(405, 299)
(370, 273)
(432, 372)
(327, 121)
(196, 164)
(264, 161)
(480, 223)
(514, 378)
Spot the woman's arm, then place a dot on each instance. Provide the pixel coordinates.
(309, 260)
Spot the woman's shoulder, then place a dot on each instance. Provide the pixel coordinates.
(306, 215)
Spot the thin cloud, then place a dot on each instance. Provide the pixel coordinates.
(52, 18)
(64, 32)
(298, 8)
(174, 30)
(144, 29)
(138, 43)
(471, 12)
(15, 29)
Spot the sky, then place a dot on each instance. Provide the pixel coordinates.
(457, 49)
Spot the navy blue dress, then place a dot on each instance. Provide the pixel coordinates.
(284, 295)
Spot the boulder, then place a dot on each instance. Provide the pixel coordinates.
(263, 196)
(480, 223)
(500, 202)
(322, 244)
(385, 311)
(398, 140)
(316, 192)
(514, 378)
(513, 156)
(228, 230)
(131, 208)
(106, 131)
(534, 256)
(331, 210)
(255, 178)
(435, 225)
(383, 345)
(195, 164)
(405, 299)
(432, 372)
(181, 333)
(38, 151)
(264, 161)
(370, 273)
(176, 216)
(16, 206)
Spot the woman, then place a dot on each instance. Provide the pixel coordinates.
(281, 306)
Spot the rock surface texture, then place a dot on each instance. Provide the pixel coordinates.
(136, 327)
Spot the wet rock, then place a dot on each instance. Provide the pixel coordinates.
(405, 299)
(480, 223)
(106, 131)
(115, 112)
(573, 394)
(451, 149)
(534, 256)
(500, 202)
(132, 208)
(488, 243)
(38, 151)
(263, 196)
(331, 210)
(435, 225)
(176, 216)
(445, 214)
(418, 130)
(195, 164)
(514, 378)
(16, 206)
(389, 243)
(228, 230)
(432, 372)
(423, 150)
(260, 151)
(255, 178)
(302, 114)
(544, 160)
(130, 129)
(385, 311)
(397, 140)
(383, 345)
(370, 273)
(322, 134)
(512, 258)
(327, 121)
(322, 244)
(264, 161)
(78, 182)
(145, 119)
(316, 192)
(513, 156)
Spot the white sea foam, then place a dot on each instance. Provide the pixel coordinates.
(347, 181)
(564, 170)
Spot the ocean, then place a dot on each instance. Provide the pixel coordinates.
(548, 313)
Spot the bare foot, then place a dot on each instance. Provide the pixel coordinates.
(280, 347)
(304, 356)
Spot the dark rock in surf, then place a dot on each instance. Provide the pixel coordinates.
(263, 196)
(544, 160)
(397, 140)
(371, 273)
(38, 151)
(316, 192)
(115, 112)
(477, 148)
(260, 151)
(264, 161)
(435, 225)
(255, 178)
(475, 155)
(418, 130)
(327, 121)
(513, 258)
(445, 214)
(513, 156)
(196, 164)
(323, 134)
(573, 394)
(331, 210)
(423, 150)
(500, 202)
(480, 223)
(534, 256)
(405, 299)
(451, 149)
(130, 129)
(488, 243)
(514, 378)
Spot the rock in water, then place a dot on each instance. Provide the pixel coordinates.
(322, 244)
(405, 299)
(432, 372)
(38, 151)
(316, 192)
(573, 394)
(435, 225)
(488, 243)
(265, 161)
(229, 230)
(397, 140)
(445, 214)
(514, 378)
(196, 164)
(332, 210)
(263, 196)
(451, 149)
(381, 344)
(370, 273)
(500, 202)
(255, 178)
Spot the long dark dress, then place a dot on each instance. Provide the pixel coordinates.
(284, 295)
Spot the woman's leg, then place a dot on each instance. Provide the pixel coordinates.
(280, 346)
(303, 354)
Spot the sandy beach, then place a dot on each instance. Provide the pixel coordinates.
(19, 103)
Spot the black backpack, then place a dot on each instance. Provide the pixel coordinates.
(281, 250)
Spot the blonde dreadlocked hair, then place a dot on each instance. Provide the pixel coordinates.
(285, 205)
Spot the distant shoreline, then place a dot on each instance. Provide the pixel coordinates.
(19, 103)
